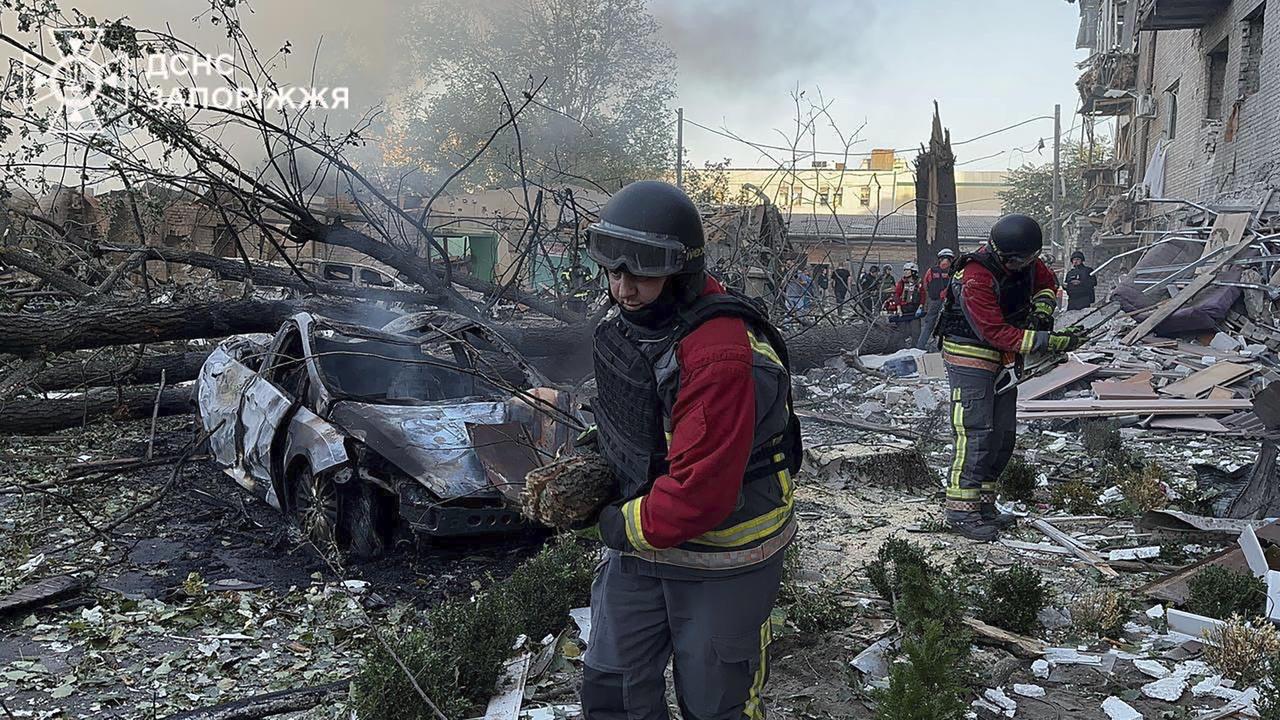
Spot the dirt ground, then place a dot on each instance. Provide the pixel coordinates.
(210, 595)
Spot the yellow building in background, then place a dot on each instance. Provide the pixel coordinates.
(879, 185)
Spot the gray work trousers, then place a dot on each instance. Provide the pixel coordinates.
(717, 629)
(984, 428)
(927, 325)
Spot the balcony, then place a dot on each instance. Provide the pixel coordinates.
(1178, 14)
(1107, 84)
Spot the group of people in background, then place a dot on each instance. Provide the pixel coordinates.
(914, 302)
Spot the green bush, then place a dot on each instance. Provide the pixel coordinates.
(1018, 480)
(1220, 592)
(930, 685)
(1101, 438)
(1268, 704)
(813, 610)
(885, 572)
(1012, 599)
(1076, 496)
(457, 657)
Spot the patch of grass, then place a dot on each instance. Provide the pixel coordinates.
(1013, 598)
(812, 609)
(1220, 592)
(930, 684)
(1240, 650)
(1018, 481)
(1101, 612)
(457, 657)
(1101, 438)
(1076, 496)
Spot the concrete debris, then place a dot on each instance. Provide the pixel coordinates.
(1152, 668)
(997, 697)
(1168, 689)
(1025, 690)
(871, 662)
(582, 618)
(1117, 709)
(1040, 668)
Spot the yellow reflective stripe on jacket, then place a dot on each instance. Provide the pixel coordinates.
(763, 347)
(635, 530)
(1028, 341)
(759, 527)
(975, 351)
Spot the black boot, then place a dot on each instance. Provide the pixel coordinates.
(1002, 521)
(974, 527)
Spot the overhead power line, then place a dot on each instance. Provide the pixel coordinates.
(837, 153)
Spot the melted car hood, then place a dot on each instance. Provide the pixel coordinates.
(429, 442)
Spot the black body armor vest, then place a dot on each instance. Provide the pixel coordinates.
(1013, 290)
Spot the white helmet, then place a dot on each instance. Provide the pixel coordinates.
(947, 253)
(910, 267)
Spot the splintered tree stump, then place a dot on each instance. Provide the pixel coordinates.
(568, 492)
(882, 465)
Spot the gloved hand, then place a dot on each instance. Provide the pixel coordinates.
(920, 312)
(1061, 342)
(613, 528)
(1042, 318)
(588, 439)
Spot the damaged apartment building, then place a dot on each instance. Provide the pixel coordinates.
(1180, 106)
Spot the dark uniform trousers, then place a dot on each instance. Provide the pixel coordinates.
(984, 427)
(717, 629)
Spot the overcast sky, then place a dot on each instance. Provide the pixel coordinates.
(990, 63)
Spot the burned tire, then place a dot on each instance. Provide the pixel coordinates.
(316, 509)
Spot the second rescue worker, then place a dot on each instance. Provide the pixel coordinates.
(999, 307)
(694, 415)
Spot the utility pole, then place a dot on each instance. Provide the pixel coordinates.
(1055, 234)
(680, 148)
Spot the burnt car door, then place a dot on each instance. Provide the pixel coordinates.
(263, 409)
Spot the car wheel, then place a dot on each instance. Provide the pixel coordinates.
(315, 509)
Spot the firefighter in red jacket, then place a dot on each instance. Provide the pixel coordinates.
(694, 416)
(999, 306)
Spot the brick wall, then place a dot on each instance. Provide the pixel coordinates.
(1203, 163)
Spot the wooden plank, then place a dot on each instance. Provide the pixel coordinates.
(1228, 228)
(1192, 424)
(1021, 645)
(1089, 407)
(1187, 292)
(1059, 377)
(1127, 390)
(1202, 381)
(1073, 545)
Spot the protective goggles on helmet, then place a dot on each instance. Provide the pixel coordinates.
(1016, 260)
(614, 247)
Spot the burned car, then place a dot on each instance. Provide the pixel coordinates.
(361, 434)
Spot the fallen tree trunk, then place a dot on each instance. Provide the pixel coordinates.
(37, 416)
(128, 324)
(98, 372)
(273, 703)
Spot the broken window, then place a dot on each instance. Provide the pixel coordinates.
(837, 198)
(784, 195)
(797, 195)
(1216, 61)
(1171, 110)
(373, 278)
(824, 194)
(338, 273)
(369, 367)
(864, 196)
(1251, 51)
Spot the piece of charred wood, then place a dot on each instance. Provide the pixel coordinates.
(37, 416)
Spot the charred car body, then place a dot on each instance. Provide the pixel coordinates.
(361, 433)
